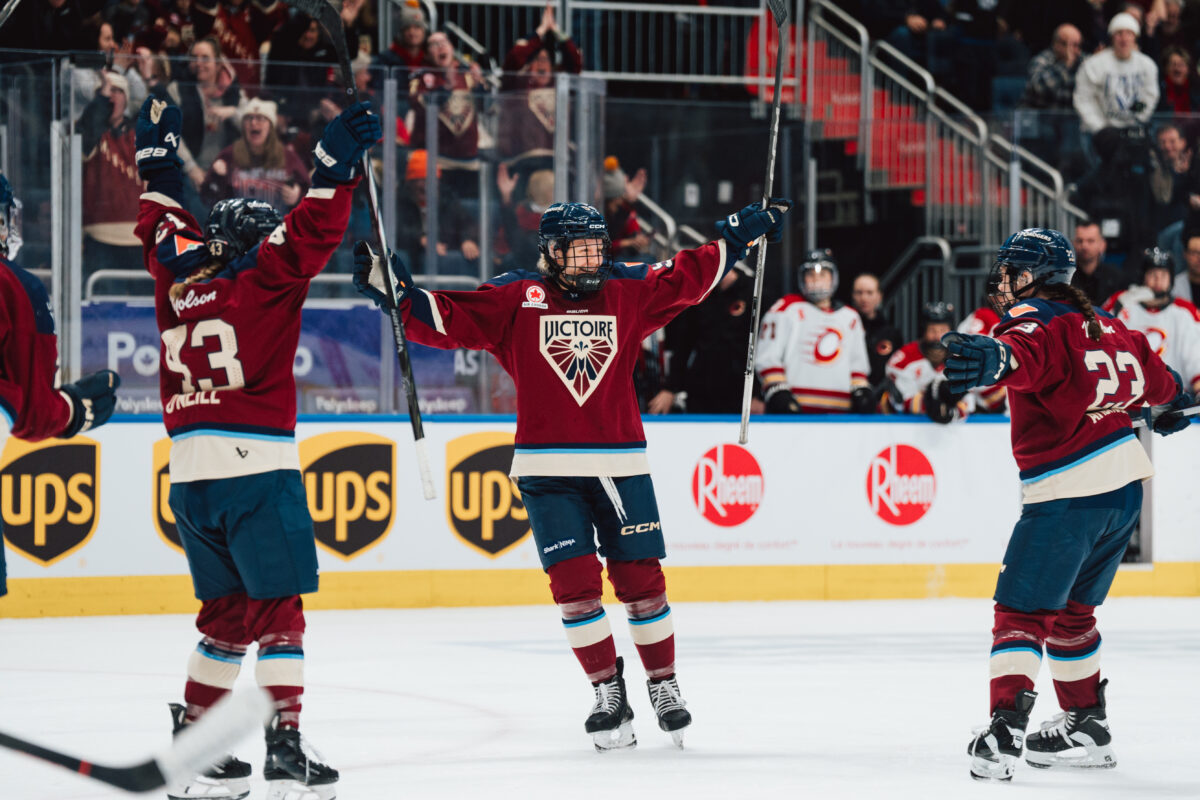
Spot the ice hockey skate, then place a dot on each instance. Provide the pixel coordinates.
(669, 707)
(293, 770)
(1077, 738)
(228, 779)
(996, 749)
(611, 720)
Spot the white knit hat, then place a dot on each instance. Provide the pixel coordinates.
(1124, 22)
(261, 107)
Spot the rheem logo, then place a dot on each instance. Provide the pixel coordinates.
(727, 485)
(483, 504)
(901, 485)
(350, 480)
(49, 497)
(164, 518)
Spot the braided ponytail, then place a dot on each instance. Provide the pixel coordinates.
(202, 274)
(1073, 295)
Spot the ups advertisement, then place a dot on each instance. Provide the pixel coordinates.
(164, 519)
(49, 496)
(483, 505)
(350, 479)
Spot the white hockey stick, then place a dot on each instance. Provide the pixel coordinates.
(1190, 411)
(780, 12)
(195, 749)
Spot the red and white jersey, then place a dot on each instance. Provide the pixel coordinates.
(982, 322)
(911, 372)
(1173, 331)
(821, 354)
(571, 357)
(228, 344)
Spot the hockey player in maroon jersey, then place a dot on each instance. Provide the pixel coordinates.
(569, 335)
(31, 407)
(1073, 377)
(228, 307)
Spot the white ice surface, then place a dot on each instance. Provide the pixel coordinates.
(815, 700)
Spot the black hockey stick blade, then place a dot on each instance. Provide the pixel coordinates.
(779, 11)
(1190, 411)
(195, 749)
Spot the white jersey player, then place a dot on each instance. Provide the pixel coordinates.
(915, 372)
(812, 356)
(1172, 326)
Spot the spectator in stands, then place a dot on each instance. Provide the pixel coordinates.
(520, 220)
(526, 130)
(127, 17)
(1097, 278)
(629, 241)
(1179, 92)
(1035, 22)
(101, 54)
(882, 336)
(452, 87)
(914, 372)
(46, 25)
(299, 89)
(1174, 30)
(1052, 72)
(239, 27)
(259, 164)
(209, 102)
(905, 24)
(407, 51)
(111, 186)
(706, 352)
(1187, 283)
(358, 20)
(1173, 181)
(457, 243)
(1117, 87)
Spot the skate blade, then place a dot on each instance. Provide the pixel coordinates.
(295, 790)
(983, 769)
(1076, 758)
(677, 737)
(621, 738)
(210, 789)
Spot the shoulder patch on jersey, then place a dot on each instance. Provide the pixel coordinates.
(1023, 308)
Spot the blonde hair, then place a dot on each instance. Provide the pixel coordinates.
(1066, 293)
(201, 274)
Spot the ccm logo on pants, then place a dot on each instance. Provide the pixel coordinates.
(641, 527)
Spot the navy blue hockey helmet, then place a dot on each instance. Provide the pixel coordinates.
(818, 262)
(236, 225)
(563, 223)
(1044, 253)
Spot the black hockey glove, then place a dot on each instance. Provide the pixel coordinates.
(93, 399)
(349, 135)
(1167, 419)
(973, 360)
(863, 400)
(778, 399)
(368, 276)
(940, 402)
(157, 139)
(743, 229)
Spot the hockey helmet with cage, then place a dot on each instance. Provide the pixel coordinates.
(563, 223)
(1156, 258)
(819, 262)
(1042, 252)
(236, 225)
(936, 312)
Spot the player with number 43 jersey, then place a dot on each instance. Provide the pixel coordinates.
(1074, 376)
(228, 299)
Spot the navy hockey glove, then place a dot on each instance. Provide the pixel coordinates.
(346, 138)
(368, 276)
(974, 360)
(157, 138)
(743, 229)
(1169, 418)
(93, 399)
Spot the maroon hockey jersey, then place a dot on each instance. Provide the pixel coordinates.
(30, 407)
(1068, 397)
(572, 360)
(228, 344)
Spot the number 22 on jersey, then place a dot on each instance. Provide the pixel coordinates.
(188, 354)
(1120, 382)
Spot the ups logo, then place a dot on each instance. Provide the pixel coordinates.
(483, 504)
(49, 496)
(350, 479)
(164, 519)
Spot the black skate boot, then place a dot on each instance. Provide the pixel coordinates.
(996, 749)
(1076, 738)
(294, 770)
(611, 720)
(228, 779)
(669, 707)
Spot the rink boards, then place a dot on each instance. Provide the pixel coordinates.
(806, 510)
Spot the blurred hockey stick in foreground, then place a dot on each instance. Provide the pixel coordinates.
(195, 749)
(780, 13)
(1191, 411)
(327, 13)
(7, 10)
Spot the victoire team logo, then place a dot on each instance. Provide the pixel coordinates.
(350, 479)
(482, 503)
(901, 484)
(580, 349)
(49, 496)
(727, 485)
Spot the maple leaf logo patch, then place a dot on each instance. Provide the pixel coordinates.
(580, 349)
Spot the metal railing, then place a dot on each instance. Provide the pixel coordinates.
(837, 87)
(915, 277)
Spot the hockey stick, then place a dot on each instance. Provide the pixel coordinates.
(195, 749)
(328, 14)
(780, 12)
(1190, 411)
(7, 10)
